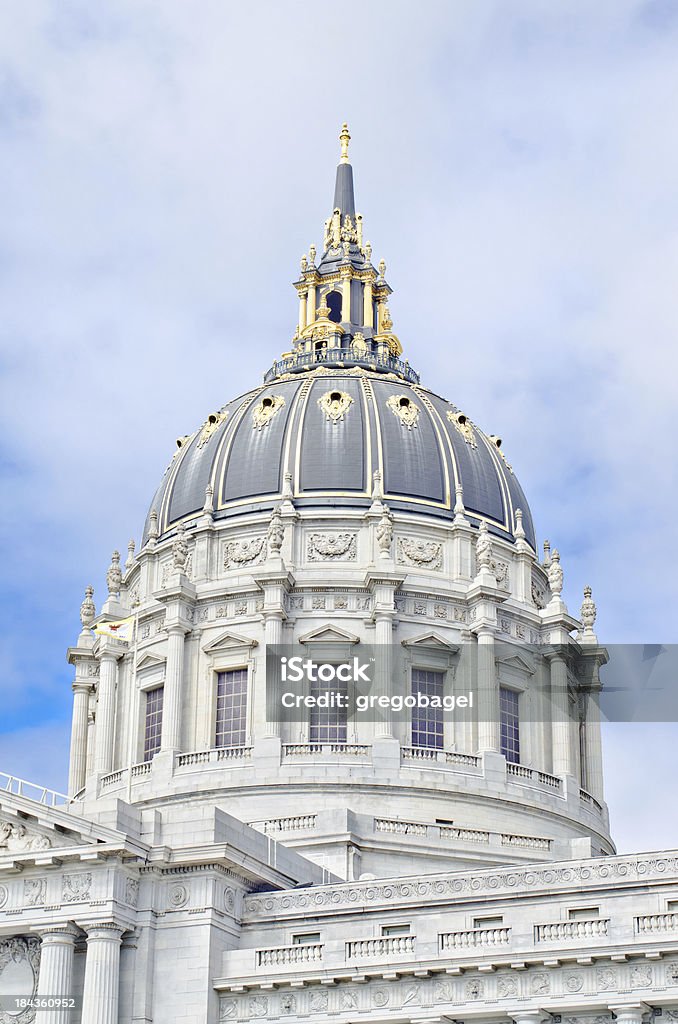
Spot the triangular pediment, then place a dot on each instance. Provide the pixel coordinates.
(518, 662)
(150, 661)
(431, 641)
(229, 641)
(329, 634)
(36, 831)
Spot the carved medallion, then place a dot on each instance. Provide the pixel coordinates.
(335, 405)
(244, 552)
(267, 408)
(404, 408)
(177, 896)
(323, 547)
(425, 554)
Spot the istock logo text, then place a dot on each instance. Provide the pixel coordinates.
(296, 669)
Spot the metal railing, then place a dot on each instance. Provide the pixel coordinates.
(341, 357)
(31, 791)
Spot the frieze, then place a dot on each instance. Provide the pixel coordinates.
(76, 888)
(333, 547)
(35, 890)
(458, 885)
(131, 892)
(441, 991)
(423, 554)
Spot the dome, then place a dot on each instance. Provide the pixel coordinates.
(327, 437)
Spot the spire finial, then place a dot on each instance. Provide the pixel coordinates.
(344, 139)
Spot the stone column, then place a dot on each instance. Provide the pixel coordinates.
(310, 305)
(273, 630)
(56, 971)
(630, 1013)
(488, 693)
(346, 297)
(78, 759)
(383, 639)
(172, 698)
(529, 1016)
(105, 720)
(368, 309)
(102, 974)
(593, 750)
(560, 716)
(302, 311)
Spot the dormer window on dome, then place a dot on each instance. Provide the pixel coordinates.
(344, 319)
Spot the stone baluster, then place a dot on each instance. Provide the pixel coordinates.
(102, 974)
(56, 971)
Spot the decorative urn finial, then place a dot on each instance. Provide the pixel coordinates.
(153, 531)
(547, 554)
(180, 549)
(385, 533)
(208, 507)
(459, 509)
(483, 547)
(555, 574)
(344, 139)
(131, 548)
(114, 574)
(588, 613)
(275, 534)
(87, 609)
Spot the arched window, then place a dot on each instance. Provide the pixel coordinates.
(333, 300)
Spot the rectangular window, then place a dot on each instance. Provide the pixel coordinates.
(231, 708)
(509, 724)
(328, 725)
(427, 722)
(153, 722)
(306, 939)
(583, 913)
(488, 922)
(395, 929)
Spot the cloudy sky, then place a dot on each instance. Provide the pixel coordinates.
(165, 164)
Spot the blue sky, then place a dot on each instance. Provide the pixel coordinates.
(164, 166)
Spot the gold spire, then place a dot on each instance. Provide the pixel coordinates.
(344, 139)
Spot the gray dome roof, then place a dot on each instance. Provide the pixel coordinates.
(331, 429)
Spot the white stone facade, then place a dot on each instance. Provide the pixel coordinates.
(193, 878)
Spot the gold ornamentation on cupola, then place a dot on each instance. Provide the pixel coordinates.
(268, 407)
(344, 318)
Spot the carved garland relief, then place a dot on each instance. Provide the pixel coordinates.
(244, 552)
(424, 554)
(323, 547)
